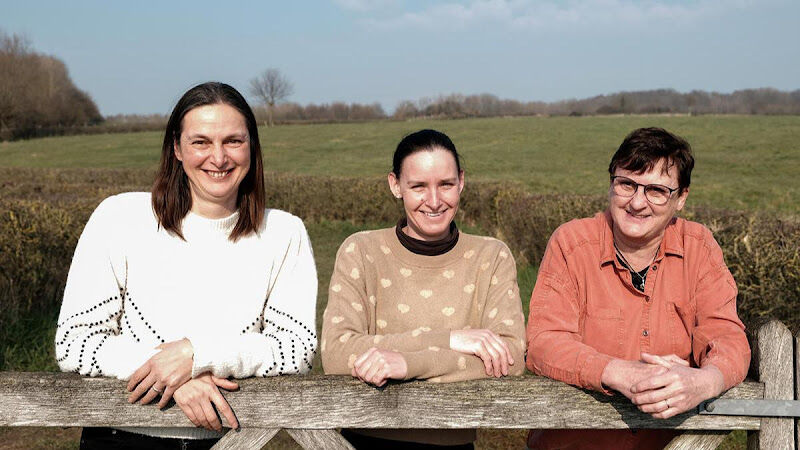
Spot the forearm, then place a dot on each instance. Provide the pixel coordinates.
(559, 356)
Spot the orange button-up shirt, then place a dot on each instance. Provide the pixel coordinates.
(584, 311)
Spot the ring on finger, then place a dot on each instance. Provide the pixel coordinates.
(666, 403)
(153, 387)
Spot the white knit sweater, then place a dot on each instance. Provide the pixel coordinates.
(248, 308)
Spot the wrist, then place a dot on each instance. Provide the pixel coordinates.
(609, 376)
(714, 380)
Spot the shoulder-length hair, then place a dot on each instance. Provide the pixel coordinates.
(171, 196)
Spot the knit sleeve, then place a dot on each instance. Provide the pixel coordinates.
(287, 340)
(88, 335)
(349, 326)
(501, 313)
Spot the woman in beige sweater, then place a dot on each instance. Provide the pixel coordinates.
(423, 300)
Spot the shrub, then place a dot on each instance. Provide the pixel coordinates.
(43, 213)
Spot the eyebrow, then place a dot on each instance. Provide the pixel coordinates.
(446, 180)
(242, 136)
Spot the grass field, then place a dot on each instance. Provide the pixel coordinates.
(743, 162)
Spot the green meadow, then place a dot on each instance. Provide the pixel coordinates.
(743, 162)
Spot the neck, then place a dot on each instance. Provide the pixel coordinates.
(211, 210)
(638, 254)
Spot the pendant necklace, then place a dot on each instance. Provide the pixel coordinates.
(634, 273)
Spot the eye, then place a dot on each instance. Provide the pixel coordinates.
(628, 185)
(199, 142)
(658, 190)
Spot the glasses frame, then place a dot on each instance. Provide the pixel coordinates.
(645, 189)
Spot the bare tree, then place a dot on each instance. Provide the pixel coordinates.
(271, 87)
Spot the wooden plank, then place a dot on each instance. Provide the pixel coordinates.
(773, 356)
(697, 440)
(325, 402)
(797, 383)
(315, 439)
(245, 438)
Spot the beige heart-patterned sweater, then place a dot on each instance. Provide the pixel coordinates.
(383, 295)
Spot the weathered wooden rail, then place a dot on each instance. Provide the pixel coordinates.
(310, 408)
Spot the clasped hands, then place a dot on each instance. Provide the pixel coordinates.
(663, 386)
(168, 373)
(377, 366)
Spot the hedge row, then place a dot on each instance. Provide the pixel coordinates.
(43, 212)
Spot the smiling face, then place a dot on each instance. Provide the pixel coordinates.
(430, 186)
(637, 222)
(214, 148)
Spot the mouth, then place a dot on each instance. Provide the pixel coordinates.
(433, 215)
(637, 216)
(218, 174)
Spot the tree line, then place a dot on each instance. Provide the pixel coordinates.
(37, 95)
(38, 98)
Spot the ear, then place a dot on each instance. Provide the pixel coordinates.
(461, 181)
(394, 185)
(176, 147)
(682, 199)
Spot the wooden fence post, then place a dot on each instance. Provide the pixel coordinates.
(773, 361)
(797, 384)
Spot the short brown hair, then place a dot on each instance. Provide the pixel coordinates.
(644, 147)
(172, 198)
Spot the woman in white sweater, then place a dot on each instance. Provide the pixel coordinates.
(180, 289)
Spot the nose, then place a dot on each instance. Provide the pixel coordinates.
(433, 200)
(218, 155)
(639, 200)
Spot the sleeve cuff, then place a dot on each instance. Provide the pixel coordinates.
(591, 373)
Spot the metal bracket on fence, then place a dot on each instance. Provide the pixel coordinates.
(754, 408)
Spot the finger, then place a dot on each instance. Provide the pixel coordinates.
(142, 388)
(362, 369)
(677, 359)
(224, 409)
(373, 374)
(202, 421)
(225, 383)
(189, 414)
(165, 397)
(495, 355)
(364, 356)
(655, 359)
(484, 355)
(652, 383)
(140, 374)
(502, 354)
(656, 407)
(150, 395)
(211, 415)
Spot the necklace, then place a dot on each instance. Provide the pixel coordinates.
(642, 276)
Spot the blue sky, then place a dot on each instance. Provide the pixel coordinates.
(139, 57)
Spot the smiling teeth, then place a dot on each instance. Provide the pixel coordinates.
(218, 174)
(433, 214)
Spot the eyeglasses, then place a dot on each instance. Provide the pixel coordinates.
(656, 194)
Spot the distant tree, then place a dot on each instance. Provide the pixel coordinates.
(271, 87)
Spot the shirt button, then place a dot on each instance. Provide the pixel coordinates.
(655, 267)
(647, 298)
(645, 333)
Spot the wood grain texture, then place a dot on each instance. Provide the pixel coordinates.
(797, 383)
(325, 402)
(254, 438)
(316, 439)
(697, 440)
(773, 356)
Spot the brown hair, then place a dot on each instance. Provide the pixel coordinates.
(644, 147)
(171, 195)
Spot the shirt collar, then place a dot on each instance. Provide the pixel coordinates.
(670, 245)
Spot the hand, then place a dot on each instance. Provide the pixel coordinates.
(377, 366)
(679, 389)
(620, 375)
(664, 361)
(162, 374)
(195, 398)
(486, 345)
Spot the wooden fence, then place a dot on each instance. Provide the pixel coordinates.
(310, 408)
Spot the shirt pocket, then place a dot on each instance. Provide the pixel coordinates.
(682, 317)
(603, 328)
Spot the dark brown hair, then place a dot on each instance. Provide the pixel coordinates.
(171, 196)
(644, 147)
(419, 141)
